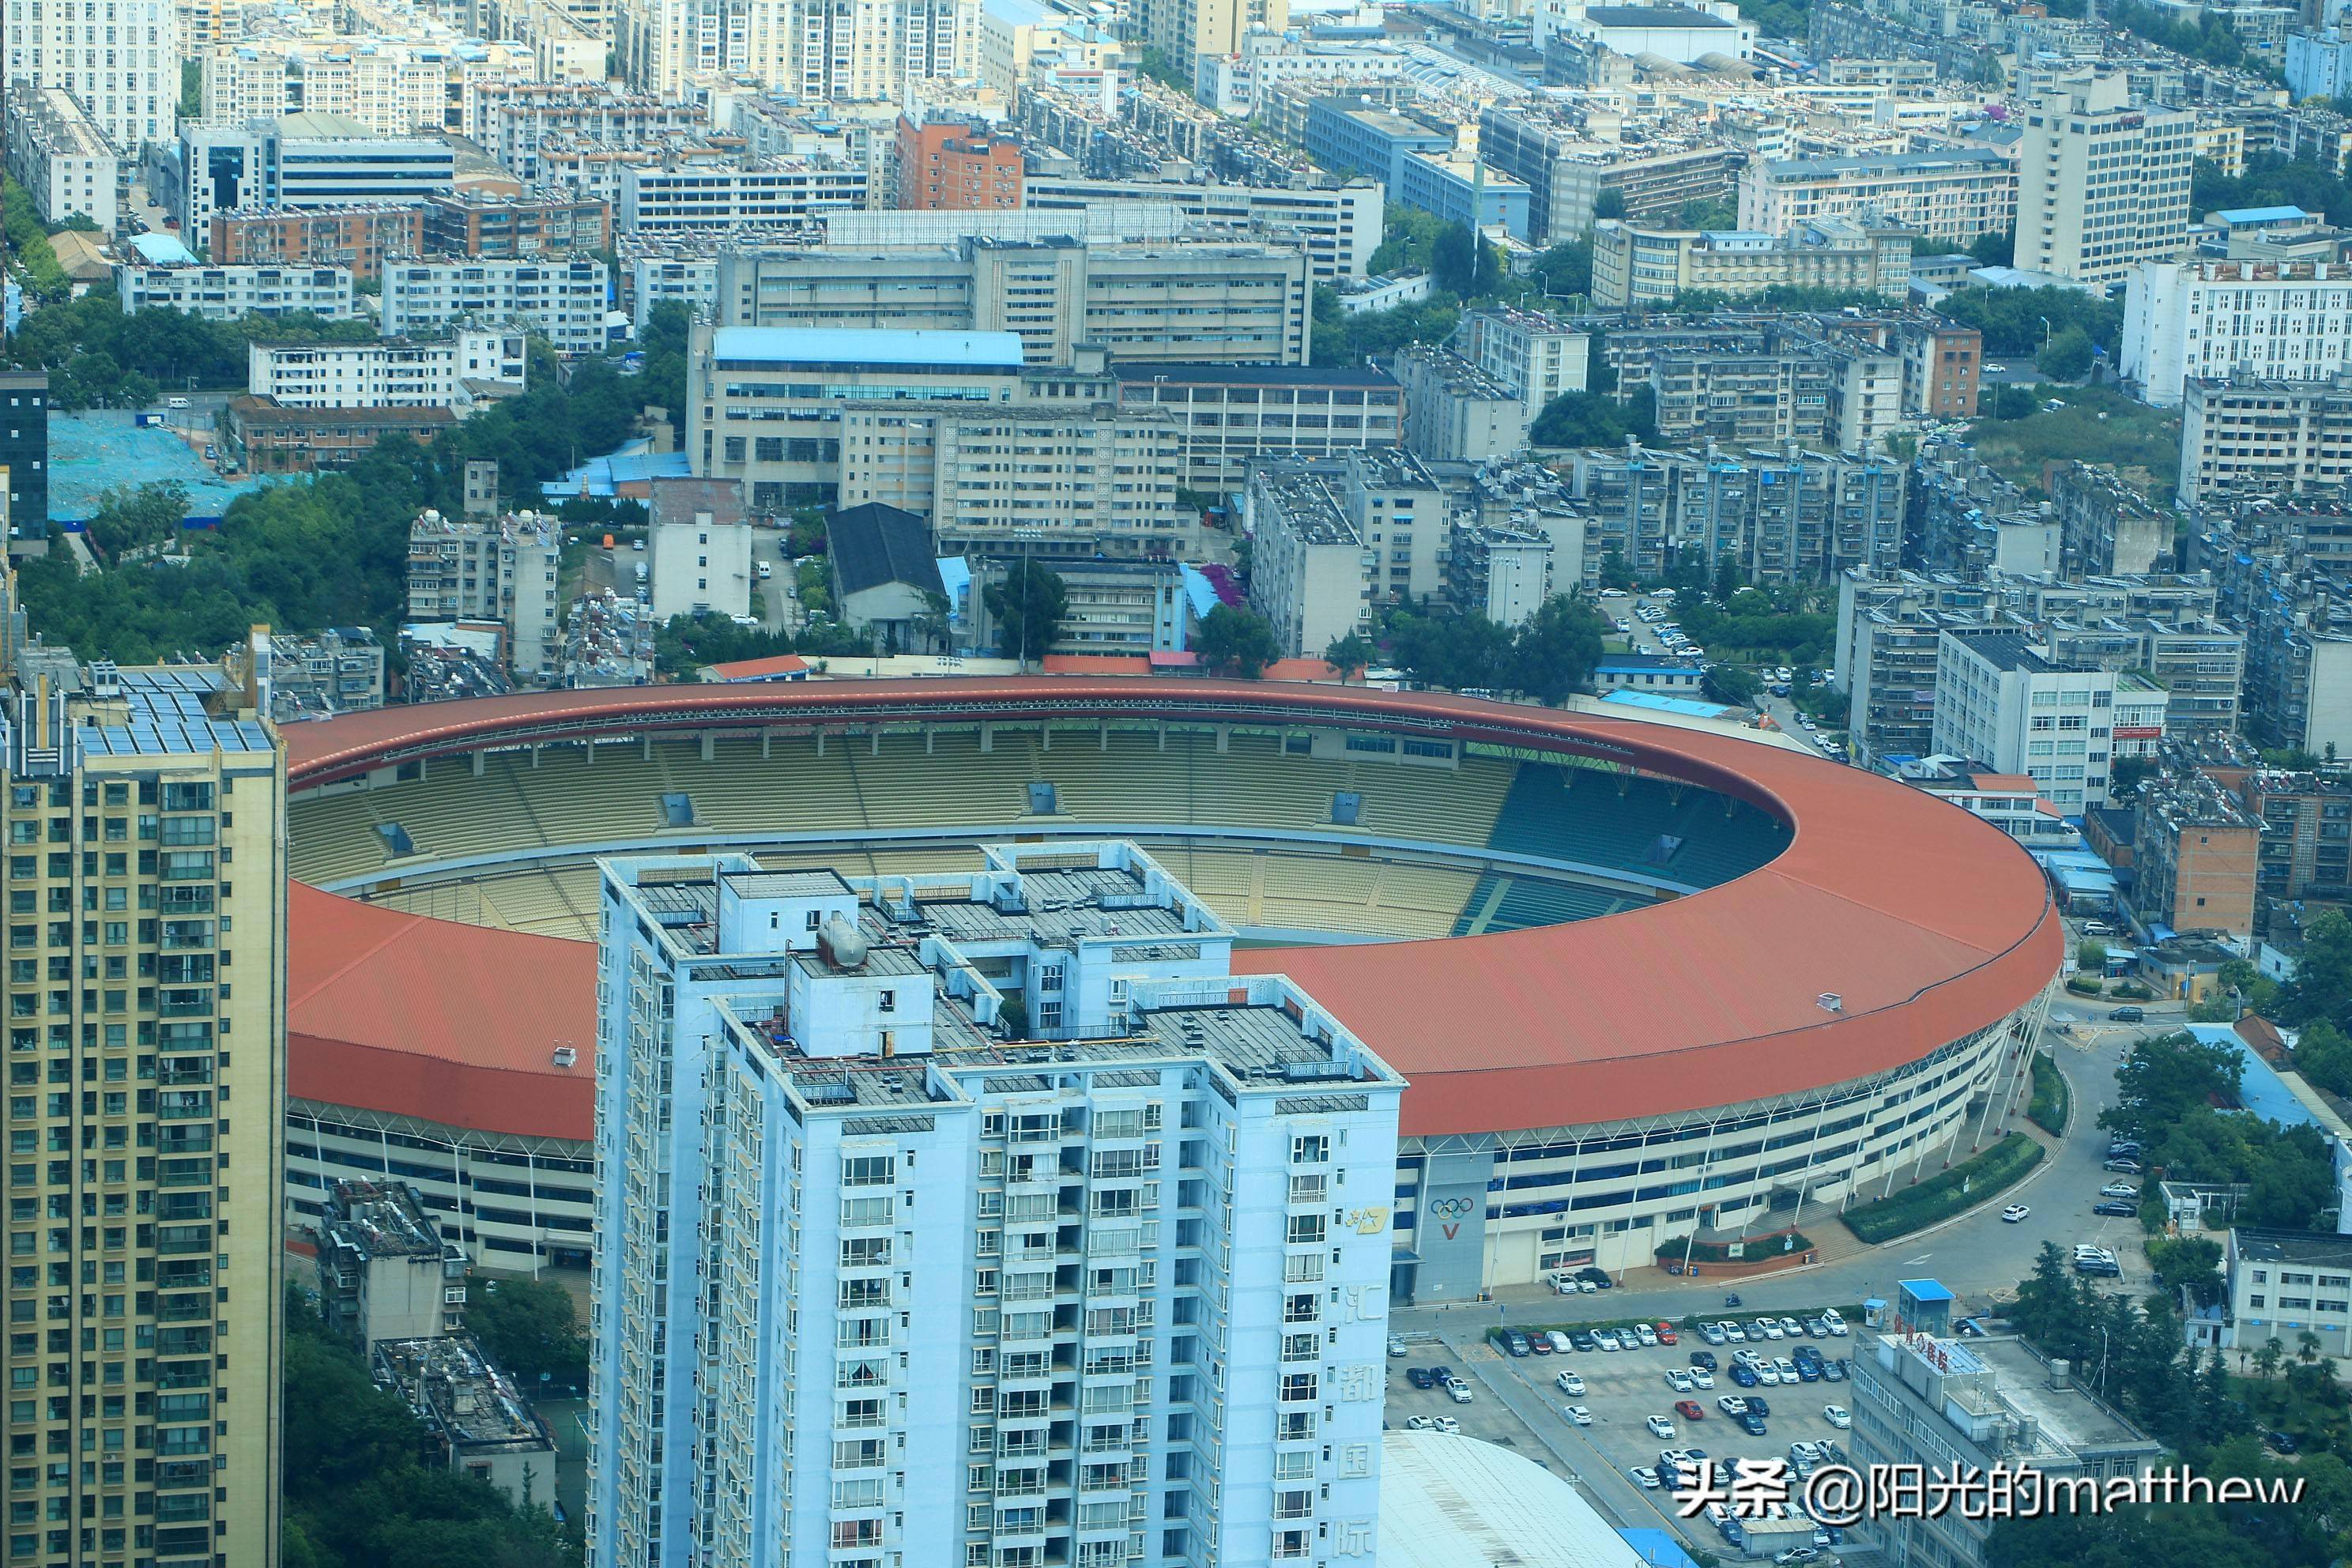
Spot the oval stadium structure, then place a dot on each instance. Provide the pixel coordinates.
(1646, 981)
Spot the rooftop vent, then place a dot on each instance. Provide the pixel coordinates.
(1831, 1002)
(566, 1056)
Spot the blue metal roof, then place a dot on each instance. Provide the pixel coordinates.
(867, 346)
(1926, 1289)
(162, 250)
(2258, 214)
(1656, 704)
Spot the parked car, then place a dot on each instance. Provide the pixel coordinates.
(1578, 1413)
(1442, 1373)
(1793, 1329)
(1745, 1375)
(1515, 1343)
(1758, 1406)
(1584, 1339)
(1665, 1332)
(1570, 1382)
(1559, 1343)
(1647, 1479)
(1731, 1404)
(2126, 1016)
(1690, 1410)
(1701, 1378)
(1704, 1359)
(1397, 1347)
(1609, 1340)
(1832, 1371)
(1712, 1333)
(1837, 1415)
(2119, 1190)
(2014, 1214)
(1660, 1427)
(2115, 1209)
(1645, 1335)
(1539, 1343)
(1733, 1331)
(1752, 1423)
(2129, 1167)
(1419, 1377)
(1458, 1391)
(1420, 1423)
(1679, 1382)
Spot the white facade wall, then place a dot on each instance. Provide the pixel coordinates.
(62, 158)
(704, 197)
(226, 293)
(2318, 64)
(701, 564)
(2054, 725)
(691, 281)
(2103, 186)
(383, 375)
(124, 68)
(561, 301)
(862, 50)
(2270, 321)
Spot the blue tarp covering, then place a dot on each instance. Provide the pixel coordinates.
(2260, 1089)
(1657, 704)
(600, 478)
(1655, 1546)
(93, 451)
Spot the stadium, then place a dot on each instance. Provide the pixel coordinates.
(1651, 985)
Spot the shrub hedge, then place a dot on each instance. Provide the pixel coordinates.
(1946, 1193)
(2047, 1108)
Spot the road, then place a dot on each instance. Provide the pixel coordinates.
(1981, 1256)
(781, 611)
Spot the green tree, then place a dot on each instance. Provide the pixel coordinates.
(1616, 571)
(1608, 202)
(1349, 655)
(2091, 956)
(663, 343)
(1555, 649)
(2191, 1261)
(530, 1327)
(2068, 356)
(1736, 684)
(2322, 987)
(1028, 604)
(137, 519)
(1729, 577)
(2323, 1054)
(1596, 419)
(1995, 249)
(1234, 641)
(191, 89)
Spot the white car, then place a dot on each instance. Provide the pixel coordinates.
(1837, 1415)
(1701, 1378)
(1458, 1391)
(1445, 1423)
(1996, 369)
(2014, 1213)
(1421, 1423)
(1396, 1346)
(1570, 1382)
(2119, 1190)
(1765, 1373)
(1647, 1479)
(1733, 1332)
(1661, 1428)
(1559, 1341)
(1836, 1326)
(766, 571)
(1578, 1413)
(1793, 1329)
(1773, 1331)
(1732, 1405)
(1647, 1335)
(1679, 1382)
(1711, 1332)
(1788, 1371)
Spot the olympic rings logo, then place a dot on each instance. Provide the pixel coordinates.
(1451, 1208)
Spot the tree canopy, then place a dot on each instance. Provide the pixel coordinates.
(1236, 641)
(530, 1327)
(1551, 655)
(2011, 319)
(1596, 419)
(1028, 604)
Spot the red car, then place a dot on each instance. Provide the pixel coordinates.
(1665, 1333)
(1690, 1410)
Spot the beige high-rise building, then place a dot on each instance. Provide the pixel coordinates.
(821, 49)
(143, 811)
(2103, 184)
(1184, 29)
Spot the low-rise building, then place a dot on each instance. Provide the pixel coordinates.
(2282, 1285)
(482, 1424)
(2196, 857)
(232, 293)
(360, 237)
(1646, 672)
(561, 301)
(62, 157)
(389, 374)
(1117, 607)
(384, 1272)
(775, 191)
(1643, 265)
(1455, 412)
(955, 165)
(1952, 195)
(700, 548)
(2010, 801)
(885, 572)
(341, 670)
(2242, 439)
(266, 436)
(1924, 1401)
(500, 570)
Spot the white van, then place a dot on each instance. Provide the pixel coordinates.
(641, 571)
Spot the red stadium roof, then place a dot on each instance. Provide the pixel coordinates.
(1924, 923)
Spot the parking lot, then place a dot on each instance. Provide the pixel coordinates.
(1517, 1400)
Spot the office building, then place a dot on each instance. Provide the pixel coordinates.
(1184, 301)
(773, 192)
(62, 158)
(1338, 222)
(1349, 137)
(1948, 197)
(1455, 412)
(544, 225)
(956, 166)
(2000, 702)
(1642, 266)
(2285, 320)
(500, 570)
(2282, 1285)
(2245, 438)
(129, 89)
(700, 548)
(480, 1422)
(1127, 609)
(2103, 184)
(166, 1296)
(384, 1273)
(1930, 1403)
(881, 1097)
(2196, 856)
(360, 237)
(1461, 190)
(389, 374)
(563, 301)
(305, 161)
(232, 293)
(1233, 413)
(822, 53)
(24, 453)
